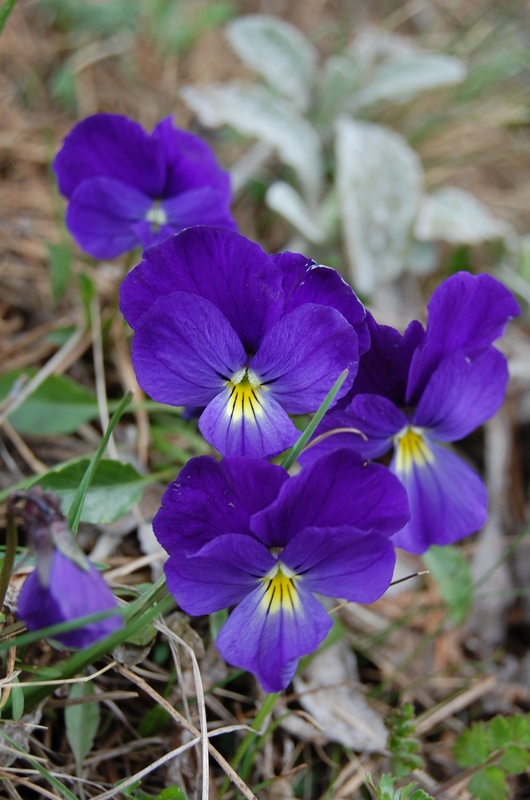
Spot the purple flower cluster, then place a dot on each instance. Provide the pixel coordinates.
(250, 339)
(127, 188)
(419, 391)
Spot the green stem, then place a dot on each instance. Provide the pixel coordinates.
(5, 11)
(9, 556)
(251, 736)
(298, 446)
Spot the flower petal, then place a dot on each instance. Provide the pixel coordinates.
(462, 393)
(184, 350)
(302, 356)
(111, 146)
(230, 271)
(467, 312)
(447, 501)
(306, 282)
(202, 206)
(269, 643)
(338, 489)
(210, 498)
(219, 575)
(375, 418)
(385, 367)
(342, 562)
(190, 163)
(72, 592)
(101, 216)
(247, 422)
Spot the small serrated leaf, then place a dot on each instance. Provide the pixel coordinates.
(82, 722)
(452, 575)
(498, 733)
(514, 760)
(489, 784)
(471, 747)
(279, 52)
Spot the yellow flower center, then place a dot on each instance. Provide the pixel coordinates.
(411, 449)
(280, 590)
(244, 399)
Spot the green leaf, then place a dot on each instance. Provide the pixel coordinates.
(452, 575)
(59, 405)
(498, 733)
(82, 723)
(17, 700)
(60, 266)
(114, 489)
(471, 747)
(515, 760)
(489, 784)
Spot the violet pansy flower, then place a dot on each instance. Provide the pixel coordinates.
(64, 584)
(129, 188)
(250, 338)
(419, 391)
(241, 532)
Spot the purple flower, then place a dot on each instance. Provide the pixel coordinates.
(64, 585)
(417, 392)
(127, 188)
(241, 533)
(249, 337)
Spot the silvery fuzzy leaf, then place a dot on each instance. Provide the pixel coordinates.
(255, 111)
(422, 258)
(379, 180)
(456, 216)
(340, 77)
(279, 52)
(373, 44)
(284, 199)
(399, 80)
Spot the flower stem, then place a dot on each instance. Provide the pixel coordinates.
(9, 557)
(251, 736)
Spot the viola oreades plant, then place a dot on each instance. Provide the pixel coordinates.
(127, 188)
(242, 533)
(64, 585)
(419, 391)
(251, 338)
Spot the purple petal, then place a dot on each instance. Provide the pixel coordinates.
(447, 501)
(110, 146)
(219, 575)
(230, 271)
(339, 489)
(101, 216)
(71, 593)
(467, 312)
(462, 393)
(184, 350)
(269, 643)
(342, 562)
(247, 421)
(306, 282)
(376, 419)
(210, 498)
(385, 367)
(202, 206)
(302, 356)
(190, 163)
